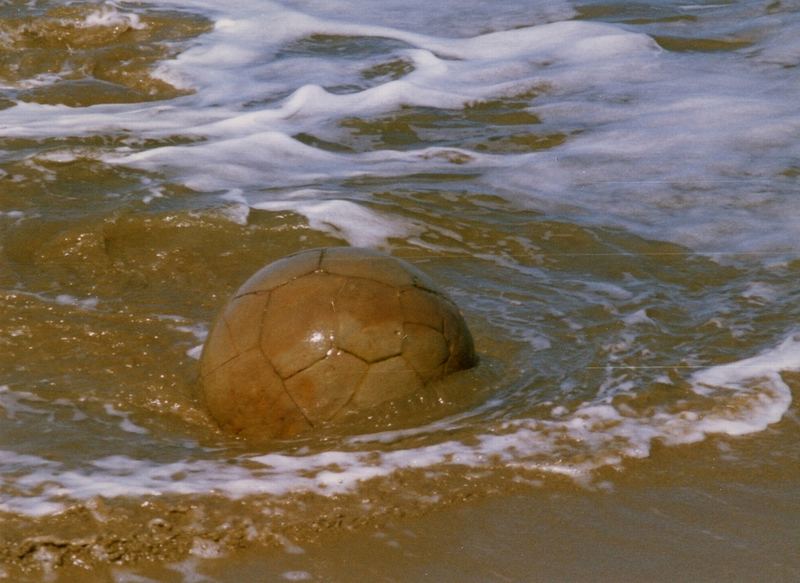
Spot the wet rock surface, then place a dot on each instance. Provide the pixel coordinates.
(324, 332)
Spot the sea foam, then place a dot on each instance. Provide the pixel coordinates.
(657, 118)
(746, 396)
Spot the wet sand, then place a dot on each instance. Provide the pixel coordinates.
(607, 190)
(725, 509)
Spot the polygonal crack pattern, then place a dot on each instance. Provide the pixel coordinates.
(281, 272)
(370, 320)
(246, 393)
(326, 331)
(386, 380)
(459, 340)
(322, 389)
(421, 307)
(218, 349)
(300, 322)
(245, 317)
(366, 264)
(426, 350)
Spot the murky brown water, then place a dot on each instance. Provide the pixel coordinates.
(633, 416)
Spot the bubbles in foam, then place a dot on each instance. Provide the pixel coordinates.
(109, 16)
(355, 223)
(760, 292)
(12, 403)
(589, 68)
(744, 397)
(652, 142)
(639, 317)
(250, 148)
(125, 424)
(297, 576)
(205, 549)
(83, 304)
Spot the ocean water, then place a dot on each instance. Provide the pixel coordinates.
(609, 190)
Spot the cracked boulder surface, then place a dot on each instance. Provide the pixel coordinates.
(321, 333)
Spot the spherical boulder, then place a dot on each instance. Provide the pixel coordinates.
(324, 332)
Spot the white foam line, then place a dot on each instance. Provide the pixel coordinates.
(12, 404)
(563, 41)
(109, 16)
(126, 424)
(360, 226)
(747, 395)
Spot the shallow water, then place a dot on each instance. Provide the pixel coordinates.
(608, 190)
